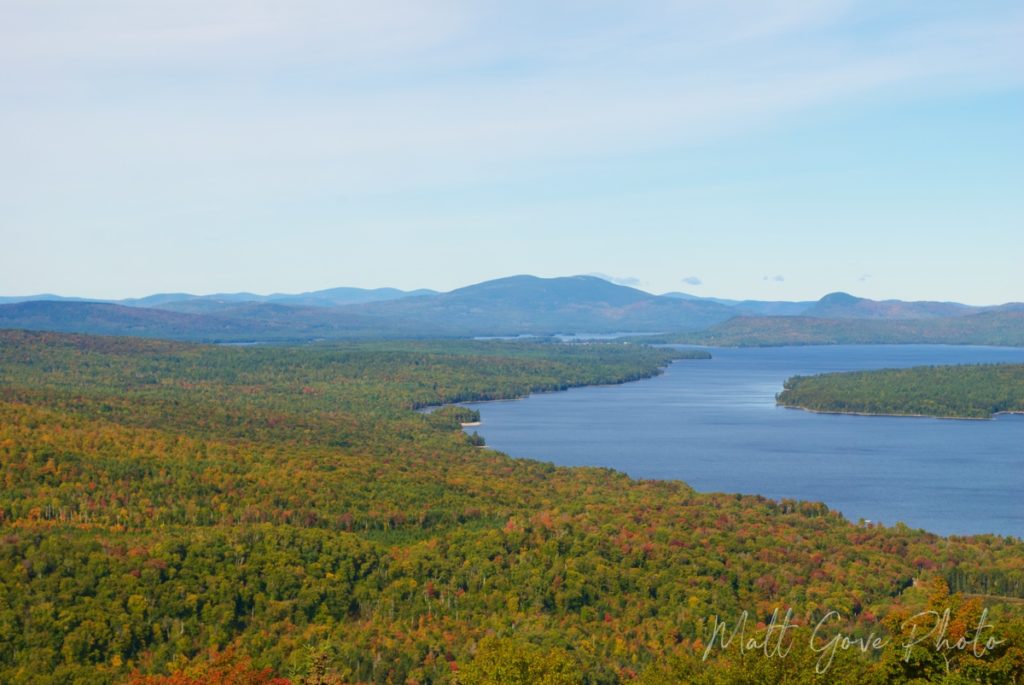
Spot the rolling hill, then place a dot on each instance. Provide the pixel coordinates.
(1003, 327)
(846, 306)
(528, 304)
(753, 307)
(245, 321)
(519, 305)
(507, 306)
(332, 297)
(110, 319)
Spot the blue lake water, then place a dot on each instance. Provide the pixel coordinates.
(714, 424)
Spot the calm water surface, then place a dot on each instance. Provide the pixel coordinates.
(715, 425)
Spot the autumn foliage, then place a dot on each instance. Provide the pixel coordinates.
(175, 513)
(218, 668)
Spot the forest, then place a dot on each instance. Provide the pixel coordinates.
(175, 513)
(985, 328)
(968, 391)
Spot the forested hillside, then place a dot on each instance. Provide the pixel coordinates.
(1004, 327)
(518, 305)
(190, 514)
(966, 391)
(505, 306)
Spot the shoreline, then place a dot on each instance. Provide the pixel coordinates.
(834, 508)
(660, 370)
(839, 412)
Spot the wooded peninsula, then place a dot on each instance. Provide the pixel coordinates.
(976, 391)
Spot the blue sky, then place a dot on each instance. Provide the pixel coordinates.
(774, 149)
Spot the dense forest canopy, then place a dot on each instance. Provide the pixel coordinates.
(957, 391)
(176, 513)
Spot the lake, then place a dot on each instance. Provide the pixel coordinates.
(714, 424)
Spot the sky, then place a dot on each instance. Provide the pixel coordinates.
(778, 149)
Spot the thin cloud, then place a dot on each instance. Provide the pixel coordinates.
(691, 280)
(405, 94)
(631, 281)
(774, 279)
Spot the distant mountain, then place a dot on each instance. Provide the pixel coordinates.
(109, 319)
(157, 299)
(532, 292)
(528, 304)
(331, 297)
(1005, 327)
(767, 308)
(513, 306)
(339, 296)
(247, 321)
(43, 297)
(335, 297)
(840, 305)
(846, 306)
(506, 306)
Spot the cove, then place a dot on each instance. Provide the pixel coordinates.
(714, 424)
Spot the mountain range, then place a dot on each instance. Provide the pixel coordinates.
(510, 306)
(189, 302)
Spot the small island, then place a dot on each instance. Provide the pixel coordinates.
(960, 392)
(692, 353)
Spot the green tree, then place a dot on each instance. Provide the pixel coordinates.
(507, 661)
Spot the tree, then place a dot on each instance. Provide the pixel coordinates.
(506, 661)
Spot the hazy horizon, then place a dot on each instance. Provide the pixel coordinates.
(259, 293)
